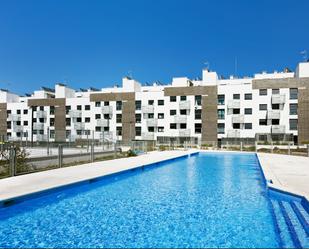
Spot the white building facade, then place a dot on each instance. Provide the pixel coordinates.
(266, 107)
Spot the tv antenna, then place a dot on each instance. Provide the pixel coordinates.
(304, 54)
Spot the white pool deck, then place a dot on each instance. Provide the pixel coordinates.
(288, 173)
(14, 187)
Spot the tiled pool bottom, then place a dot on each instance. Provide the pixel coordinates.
(207, 200)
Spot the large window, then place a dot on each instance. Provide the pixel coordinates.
(221, 127)
(118, 105)
(248, 96)
(263, 107)
(248, 126)
(138, 118)
(183, 98)
(173, 98)
(275, 91)
(138, 131)
(118, 118)
(221, 113)
(293, 93)
(263, 122)
(293, 109)
(138, 105)
(248, 111)
(198, 128)
(236, 96)
(160, 102)
(221, 99)
(160, 115)
(198, 114)
(293, 124)
(173, 126)
(172, 112)
(198, 100)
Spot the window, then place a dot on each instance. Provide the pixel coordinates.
(275, 121)
(183, 112)
(79, 107)
(118, 118)
(25, 111)
(263, 122)
(41, 120)
(172, 126)
(97, 104)
(52, 122)
(9, 125)
(198, 114)
(198, 99)
(248, 126)
(138, 105)
(160, 102)
(67, 133)
(236, 111)
(293, 124)
(150, 115)
(221, 127)
(293, 93)
(183, 98)
(293, 109)
(138, 118)
(248, 111)
(198, 128)
(263, 92)
(172, 112)
(275, 91)
(221, 99)
(118, 105)
(248, 96)
(87, 120)
(67, 109)
(33, 108)
(150, 129)
(160, 115)
(236, 126)
(25, 123)
(106, 103)
(150, 102)
(183, 126)
(52, 110)
(68, 122)
(87, 107)
(98, 128)
(98, 116)
(18, 112)
(41, 108)
(236, 96)
(52, 134)
(118, 131)
(221, 113)
(275, 106)
(160, 129)
(263, 107)
(138, 131)
(173, 98)
(78, 120)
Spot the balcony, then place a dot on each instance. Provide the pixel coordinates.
(38, 126)
(273, 114)
(41, 114)
(79, 126)
(148, 136)
(185, 133)
(41, 137)
(153, 122)
(107, 109)
(278, 129)
(14, 117)
(180, 119)
(233, 104)
(238, 119)
(278, 99)
(185, 105)
(233, 133)
(17, 128)
(102, 122)
(75, 113)
(148, 109)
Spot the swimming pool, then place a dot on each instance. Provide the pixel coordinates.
(206, 200)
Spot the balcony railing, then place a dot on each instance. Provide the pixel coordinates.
(148, 136)
(233, 134)
(233, 104)
(79, 126)
(278, 129)
(273, 114)
(152, 122)
(148, 109)
(238, 119)
(38, 126)
(180, 119)
(41, 114)
(75, 113)
(14, 117)
(185, 105)
(102, 122)
(278, 99)
(107, 109)
(185, 133)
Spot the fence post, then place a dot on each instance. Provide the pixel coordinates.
(60, 155)
(289, 148)
(13, 160)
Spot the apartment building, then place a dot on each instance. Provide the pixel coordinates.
(265, 107)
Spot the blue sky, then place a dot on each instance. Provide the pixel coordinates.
(95, 43)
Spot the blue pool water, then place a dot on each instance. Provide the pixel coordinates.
(206, 200)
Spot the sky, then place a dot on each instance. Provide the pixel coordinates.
(97, 42)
